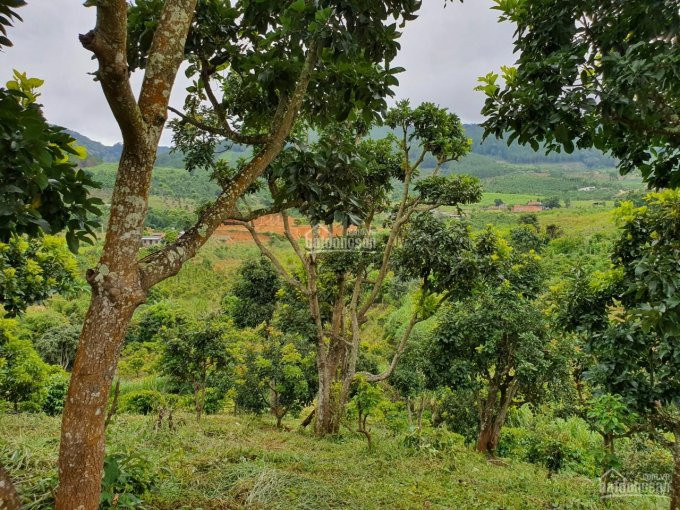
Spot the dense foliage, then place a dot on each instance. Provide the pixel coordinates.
(593, 74)
(41, 189)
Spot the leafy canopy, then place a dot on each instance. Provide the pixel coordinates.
(593, 73)
(32, 270)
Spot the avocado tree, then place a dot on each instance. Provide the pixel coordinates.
(41, 189)
(495, 342)
(256, 66)
(637, 356)
(345, 178)
(31, 270)
(255, 293)
(272, 369)
(195, 355)
(593, 73)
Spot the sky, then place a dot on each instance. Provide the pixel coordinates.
(443, 51)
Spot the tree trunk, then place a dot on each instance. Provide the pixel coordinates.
(421, 410)
(675, 483)
(493, 415)
(116, 292)
(333, 379)
(199, 400)
(9, 500)
(324, 421)
(81, 453)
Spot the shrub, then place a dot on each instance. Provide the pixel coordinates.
(554, 443)
(22, 372)
(141, 402)
(55, 393)
(434, 441)
(214, 401)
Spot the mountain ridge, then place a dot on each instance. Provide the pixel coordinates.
(497, 150)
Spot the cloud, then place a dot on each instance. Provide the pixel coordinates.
(443, 51)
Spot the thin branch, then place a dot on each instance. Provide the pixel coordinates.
(293, 242)
(227, 130)
(165, 56)
(108, 42)
(415, 319)
(197, 123)
(274, 260)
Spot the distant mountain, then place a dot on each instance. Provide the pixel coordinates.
(515, 153)
(99, 153)
(498, 150)
(495, 150)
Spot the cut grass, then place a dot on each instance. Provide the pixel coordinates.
(243, 462)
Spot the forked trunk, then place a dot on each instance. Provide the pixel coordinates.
(116, 293)
(493, 415)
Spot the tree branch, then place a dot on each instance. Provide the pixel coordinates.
(108, 42)
(165, 56)
(293, 242)
(167, 262)
(397, 355)
(274, 260)
(228, 132)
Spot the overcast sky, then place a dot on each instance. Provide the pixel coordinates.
(443, 51)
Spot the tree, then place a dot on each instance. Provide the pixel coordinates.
(593, 73)
(275, 369)
(22, 372)
(196, 354)
(256, 293)
(58, 344)
(343, 177)
(525, 238)
(495, 343)
(638, 354)
(31, 270)
(530, 219)
(551, 203)
(271, 60)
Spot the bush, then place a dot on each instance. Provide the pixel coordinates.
(554, 443)
(141, 402)
(55, 393)
(214, 401)
(22, 372)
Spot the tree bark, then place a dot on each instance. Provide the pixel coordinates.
(9, 499)
(81, 453)
(675, 481)
(493, 416)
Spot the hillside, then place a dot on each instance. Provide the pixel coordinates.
(243, 462)
(509, 173)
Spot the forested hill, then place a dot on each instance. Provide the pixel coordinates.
(498, 150)
(515, 153)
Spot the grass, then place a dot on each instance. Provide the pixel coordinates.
(243, 462)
